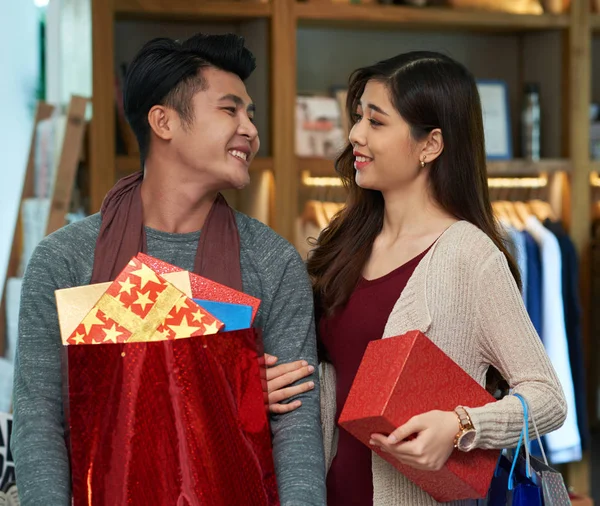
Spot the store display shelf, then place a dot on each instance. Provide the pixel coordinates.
(213, 10)
(390, 16)
(319, 167)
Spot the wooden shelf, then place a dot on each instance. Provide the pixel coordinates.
(129, 164)
(390, 16)
(319, 167)
(521, 167)
(215, 10)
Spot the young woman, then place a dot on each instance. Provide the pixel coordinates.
(417, 248)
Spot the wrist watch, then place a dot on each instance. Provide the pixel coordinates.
(466, 431)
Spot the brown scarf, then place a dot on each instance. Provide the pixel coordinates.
(122, 235)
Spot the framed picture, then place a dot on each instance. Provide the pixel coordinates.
(496, 119)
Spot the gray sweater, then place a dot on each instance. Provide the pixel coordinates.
(271, 271)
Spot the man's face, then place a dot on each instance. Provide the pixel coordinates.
(221, 140)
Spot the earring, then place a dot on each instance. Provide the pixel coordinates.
(423, 163)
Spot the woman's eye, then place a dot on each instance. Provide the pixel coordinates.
(374, 122)
(231, 110)
(356, 117)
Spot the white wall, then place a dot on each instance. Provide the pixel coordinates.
(68, 50)
(19, 64)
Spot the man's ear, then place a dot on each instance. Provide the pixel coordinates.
(162, 121)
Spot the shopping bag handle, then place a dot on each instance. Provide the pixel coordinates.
(525, 436)
(526, 425)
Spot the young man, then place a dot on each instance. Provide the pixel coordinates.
(191, 113)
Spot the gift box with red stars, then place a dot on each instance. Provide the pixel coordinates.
(141, 306)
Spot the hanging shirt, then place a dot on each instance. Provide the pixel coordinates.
(564, 444)
(534, 293)
(519, 252)
(570, 291)
(345, 337)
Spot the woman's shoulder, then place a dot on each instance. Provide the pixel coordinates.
(465, 244)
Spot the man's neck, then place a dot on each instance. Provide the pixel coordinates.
(174, 206)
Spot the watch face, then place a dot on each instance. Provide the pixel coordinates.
(466, 440)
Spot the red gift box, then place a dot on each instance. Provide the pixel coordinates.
(204, 288)
(174, 422)
(408, 375)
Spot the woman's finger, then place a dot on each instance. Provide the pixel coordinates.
(280, 409)
(405, 454)
(287, 393)
(279, 370)
(289, 378)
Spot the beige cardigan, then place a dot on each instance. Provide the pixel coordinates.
(463, 297)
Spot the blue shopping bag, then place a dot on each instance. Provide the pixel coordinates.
(515, 483)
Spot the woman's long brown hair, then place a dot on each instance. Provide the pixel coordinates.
(429, 90)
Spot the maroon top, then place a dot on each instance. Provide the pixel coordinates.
(345, 337)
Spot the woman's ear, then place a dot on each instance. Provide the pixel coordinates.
(162, 121)
(433, 147)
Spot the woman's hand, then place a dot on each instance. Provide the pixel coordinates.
(280, 377)
(430, 449)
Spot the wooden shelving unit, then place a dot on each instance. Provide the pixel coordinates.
(320, 167)
(285, 17)
(188, 10)
(395, 17)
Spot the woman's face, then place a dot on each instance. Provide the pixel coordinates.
(386, 157)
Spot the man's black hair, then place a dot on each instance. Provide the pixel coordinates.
(168, 72)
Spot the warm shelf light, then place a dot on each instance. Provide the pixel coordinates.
(493, 182)
(308, 180)
(518, 182)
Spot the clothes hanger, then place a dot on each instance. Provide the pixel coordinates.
(513, 218)
(331, 209)
(596, 210)
(522, 211)
(314, 213)
(500, 212)
(542, 210)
